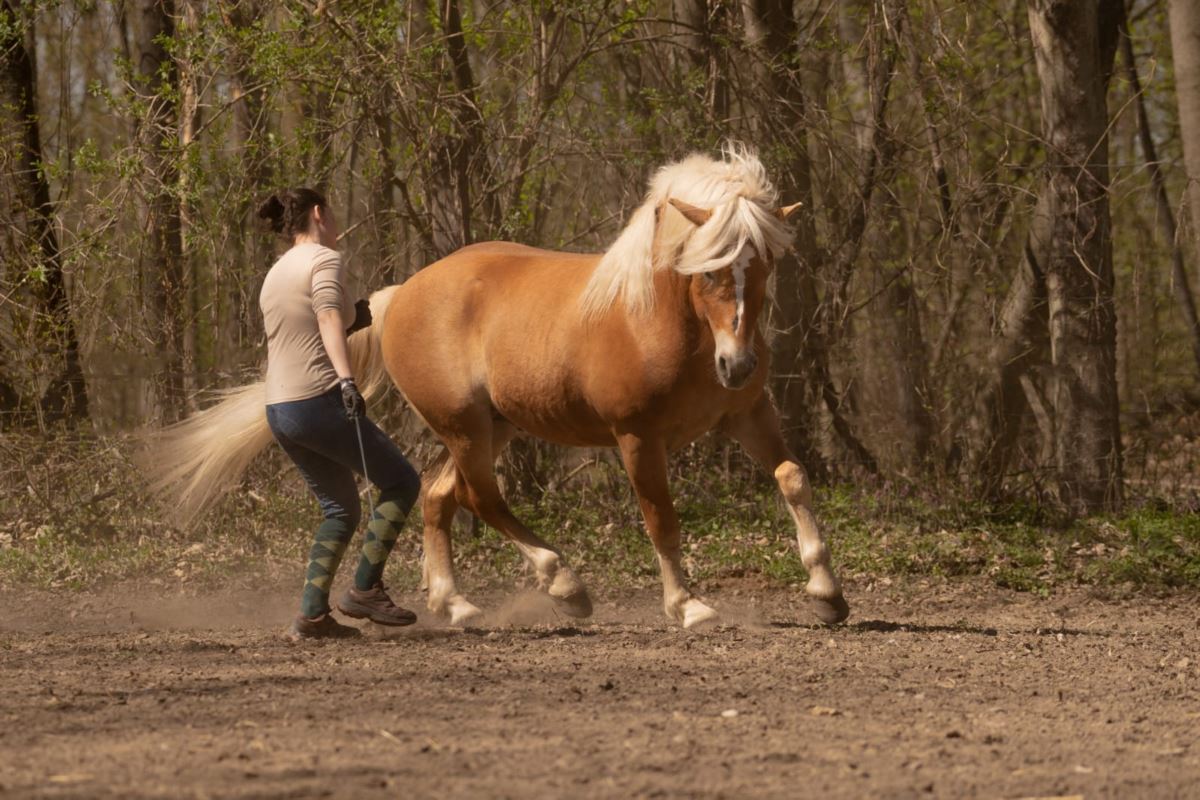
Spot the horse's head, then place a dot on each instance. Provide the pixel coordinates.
(730, 300)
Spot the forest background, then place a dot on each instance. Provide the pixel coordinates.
(985, 334)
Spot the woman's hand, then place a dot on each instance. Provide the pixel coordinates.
(352, 399)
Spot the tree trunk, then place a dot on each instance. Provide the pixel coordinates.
(468, 154)
(873, 93)
(801, 376)
(910, 375)
(456, 157)
(869, 82)
(1185, 50)
(189, 120)
(9, 401)
(695, 20)
(797, 351)
(448, 228)
(163, 257)
(252, 253)
(1069, 39)
(1185, 45)
(855, 68)
(387, 268)
(31, 214)
(1019, 343)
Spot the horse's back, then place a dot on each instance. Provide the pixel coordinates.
(494, 266)
(481, 250)
(492, 278)
(485, 323)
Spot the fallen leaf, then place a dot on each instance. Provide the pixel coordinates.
(70, 777)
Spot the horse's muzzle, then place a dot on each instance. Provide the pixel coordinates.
(734, 370)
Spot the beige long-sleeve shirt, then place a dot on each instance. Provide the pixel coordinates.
(306, 279)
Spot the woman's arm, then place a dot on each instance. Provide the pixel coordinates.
(333, 336)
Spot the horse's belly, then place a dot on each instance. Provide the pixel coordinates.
(550, 412)
(565, 432)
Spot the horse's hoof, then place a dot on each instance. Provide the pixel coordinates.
(578, 605)
(463, 613)
(697, 615)
(831, 611)
(456, 610)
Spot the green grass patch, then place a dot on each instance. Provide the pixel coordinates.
(76, 518)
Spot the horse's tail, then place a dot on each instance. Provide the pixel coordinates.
(366, 351)
(193, 463)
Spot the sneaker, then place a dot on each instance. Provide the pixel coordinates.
(322, 627)
(375, 605)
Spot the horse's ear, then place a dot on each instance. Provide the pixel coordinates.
(783, 212)
(697, 216)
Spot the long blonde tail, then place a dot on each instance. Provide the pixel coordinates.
(193, 463)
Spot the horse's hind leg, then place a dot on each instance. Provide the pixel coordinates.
(480, 493)
(757, 430)
(438, 507)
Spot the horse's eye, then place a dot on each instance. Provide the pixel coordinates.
(710, 278)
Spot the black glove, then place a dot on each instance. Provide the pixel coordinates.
(352, 399)
(362, 317)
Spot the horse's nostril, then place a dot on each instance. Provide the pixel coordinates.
(723, 365)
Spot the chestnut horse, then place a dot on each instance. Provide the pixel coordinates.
(646, 348)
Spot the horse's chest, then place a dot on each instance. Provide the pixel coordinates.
(684, 425)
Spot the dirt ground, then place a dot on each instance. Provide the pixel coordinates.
(941, 691)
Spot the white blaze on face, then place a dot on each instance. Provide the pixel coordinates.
(740, 265)
(727, 344)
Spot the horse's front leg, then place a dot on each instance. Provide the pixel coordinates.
(646, 462)
(757, 430)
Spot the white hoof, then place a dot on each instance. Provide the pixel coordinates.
(462, 612)
(822, 584)
(694, 614)
(565, 584)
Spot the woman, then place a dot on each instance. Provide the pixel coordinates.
(316, 413)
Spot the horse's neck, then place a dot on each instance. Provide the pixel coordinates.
(673, 314)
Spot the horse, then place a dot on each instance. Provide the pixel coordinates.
(645, 348)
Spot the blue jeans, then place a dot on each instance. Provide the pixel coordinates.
(323, 444)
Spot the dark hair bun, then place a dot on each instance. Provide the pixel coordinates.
(272, 210)
(287, 210)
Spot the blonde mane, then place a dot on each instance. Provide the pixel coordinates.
(743, 204)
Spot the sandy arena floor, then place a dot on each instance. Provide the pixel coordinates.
(953, 692)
